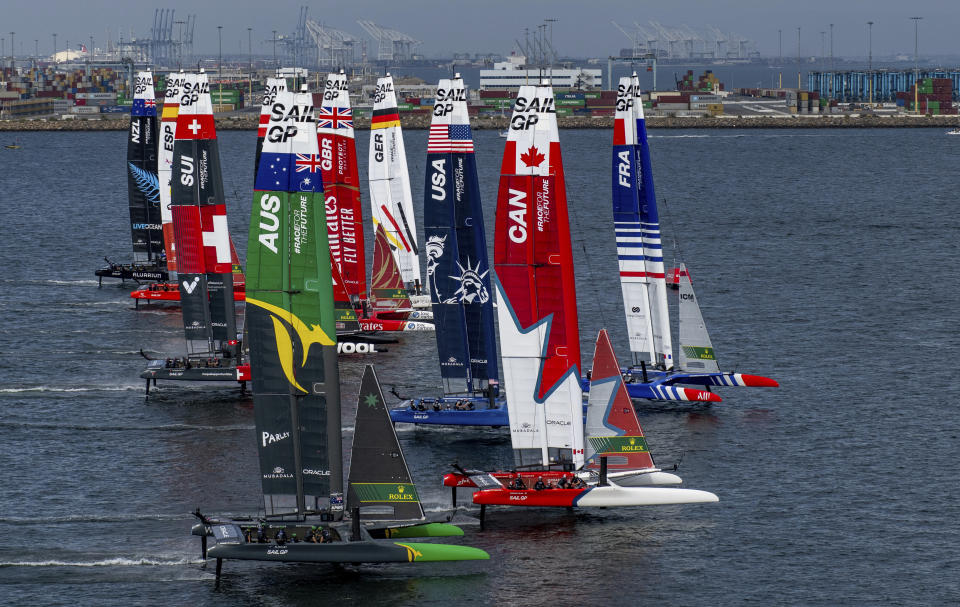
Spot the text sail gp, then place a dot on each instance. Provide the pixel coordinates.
(458, 274)
(290, 317)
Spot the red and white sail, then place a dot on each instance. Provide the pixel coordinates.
(390, 197)
(341, 185)
(168, 131)
(537, 303)
(637, 227)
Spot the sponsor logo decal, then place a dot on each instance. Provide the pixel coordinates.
(308, 336)
(266, 438)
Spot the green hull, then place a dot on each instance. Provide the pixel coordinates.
(348, 552)
(425, 530)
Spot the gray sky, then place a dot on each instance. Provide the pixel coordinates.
(583, 28)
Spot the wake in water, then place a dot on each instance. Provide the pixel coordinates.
(38, 389)
(93, 518)
(102, 428)
(119, 561)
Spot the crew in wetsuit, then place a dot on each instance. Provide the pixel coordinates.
(517, 484)
(261, 536)
(562, 483)
(311, 535)
(280, 537)
(325, 537)
(539, 485)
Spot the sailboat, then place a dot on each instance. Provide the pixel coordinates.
(169, 291)
(640, 254)
(296, 390)
(341, 179)
(143, 190)
(205, 256)
(390, 197)
(539, 337)
(457, 275)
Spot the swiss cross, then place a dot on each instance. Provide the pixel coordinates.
(219, 238)
(194, 126)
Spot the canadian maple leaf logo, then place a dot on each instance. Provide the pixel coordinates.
(532, 157)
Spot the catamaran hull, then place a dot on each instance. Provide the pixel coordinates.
(594, 497)
(348, 552)
(395, 325)
(194, 374)
(136, 273)
(170, 292)
(624, 478)
(480, 415)
(656, 390)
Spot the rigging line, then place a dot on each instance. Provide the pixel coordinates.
(583, 245)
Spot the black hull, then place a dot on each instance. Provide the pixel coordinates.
(134, 272)
(192, 374)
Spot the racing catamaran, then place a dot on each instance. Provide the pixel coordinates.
(341, 180)
(390, 197)
(296, 393)
(537, 314)
(169, 291)
(143, 191)
(640, 253)
(205, 256)
(457, 275)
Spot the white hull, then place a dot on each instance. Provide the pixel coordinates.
(643, 496)
(633, 478)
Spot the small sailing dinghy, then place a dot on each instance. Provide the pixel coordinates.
(205, 256)
(143, 190)
(611, 429)
(537, 313)
(457, 275)
(296, 391)
(640, 256)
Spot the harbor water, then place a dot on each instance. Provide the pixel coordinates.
(825, 259)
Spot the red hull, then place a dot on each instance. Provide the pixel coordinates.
(170, 292)
(557, 498)
(528, 477)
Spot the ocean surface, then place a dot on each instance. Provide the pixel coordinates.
(824, 259)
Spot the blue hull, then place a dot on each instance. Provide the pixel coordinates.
(480, 415)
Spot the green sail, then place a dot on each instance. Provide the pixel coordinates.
(290, 322)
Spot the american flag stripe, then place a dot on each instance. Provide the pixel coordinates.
(449, 138)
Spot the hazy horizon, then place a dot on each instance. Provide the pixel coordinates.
(493, 26)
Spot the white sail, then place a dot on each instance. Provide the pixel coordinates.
(168, 130)
(538, 333)
(390, 197)
(696, 349)
(637, 226)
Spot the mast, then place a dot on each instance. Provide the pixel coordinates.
(637, 228)
(341, 186)
(142, 181)
(390, 196)
(201, 236)
(537, 304)
(456, 248)
(290, 321)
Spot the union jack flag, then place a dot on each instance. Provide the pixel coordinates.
(150, 102)
(449, 138)
(335, 118)
(308, 162)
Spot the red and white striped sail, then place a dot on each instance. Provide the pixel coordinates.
(341, 185)
(637, 227)
(390, 197)
(537, 302)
